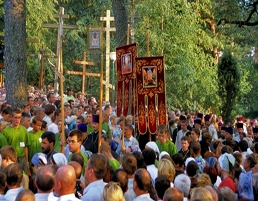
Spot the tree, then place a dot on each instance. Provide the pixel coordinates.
(121, 18)
(15, 52)
(229, 81)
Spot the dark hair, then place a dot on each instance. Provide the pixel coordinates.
(4, 105)
(212, 172)
(51, 137)
(25, 115)
(44, 125)
(77, 133)
(196, 147)
(226, 149)
(149, 156)
(178, 159)
(162, 183)
(243, 145)
(49, 94)
(36, 119)
(8, 110)
(2, 180)
(78, 158)
(121, 177)
(129, 164)
(143, 179)
(14, 174)
(197, 131)
(45, 178)
(49, 109)
(140, 160)
(98, 163)
(192, 168)
(251, 159)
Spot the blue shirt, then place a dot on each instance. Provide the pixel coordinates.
(128, 142)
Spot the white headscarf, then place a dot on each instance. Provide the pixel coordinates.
(153, 146)
(224, 161)
(163, 153)
(59, 159)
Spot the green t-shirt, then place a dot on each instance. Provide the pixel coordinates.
(106, 128)
(17, 138)
(85, 161)
(3, 141)
(114, 164)
(57, 143)
(168, 146)
(34, 144)
(89, 129)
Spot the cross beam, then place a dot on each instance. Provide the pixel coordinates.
(60, 28)
(84, 62)
(108, 29)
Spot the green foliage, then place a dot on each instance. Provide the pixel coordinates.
(185, 42)
(229, 84)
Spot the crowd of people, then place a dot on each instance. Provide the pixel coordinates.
(195, 157)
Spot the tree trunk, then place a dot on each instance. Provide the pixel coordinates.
(121, 19)
(15, 52)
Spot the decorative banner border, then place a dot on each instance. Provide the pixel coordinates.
(151, 90)
(126, 79)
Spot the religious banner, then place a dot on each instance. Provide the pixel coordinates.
(126, 80)
(151, 90)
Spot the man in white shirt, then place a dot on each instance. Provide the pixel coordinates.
(149, 158)
(65, 181)
(14, 178)
(94, 174)
(183, 183)
(129, 140)
(141, 185)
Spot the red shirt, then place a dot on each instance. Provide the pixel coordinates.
(228, 182)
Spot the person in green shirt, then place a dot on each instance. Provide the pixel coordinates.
(17, 136)
(74, 142)
(106, 150)
(3, 141)
(34, 136)
(89, 122)
(105, 125)
(163, 143)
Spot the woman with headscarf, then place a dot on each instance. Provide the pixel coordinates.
(225, 167)
(211, 170)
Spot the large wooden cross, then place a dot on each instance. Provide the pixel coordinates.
(60, 28)
(108, 29)
(83, 73)
(41, 57)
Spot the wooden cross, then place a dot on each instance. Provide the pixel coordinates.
(83, 73)
(60, 28)
(108, 29)
(41, 57)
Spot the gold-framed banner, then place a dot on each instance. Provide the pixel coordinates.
(151, 93)
(95, 38)
(126, 80)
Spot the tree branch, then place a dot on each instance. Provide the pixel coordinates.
(241, 23)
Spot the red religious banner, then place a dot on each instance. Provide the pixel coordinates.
(126, 79)
(151, 90)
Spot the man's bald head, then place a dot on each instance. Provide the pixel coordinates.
(173, 194)
(25, 195)
(65, 180)
(77, 167)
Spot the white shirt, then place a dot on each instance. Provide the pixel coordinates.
(130, 194)
(53, 128)
(12, 193)
(143, 197)
(94, 191)
(153, 172)
(69, 197)
(41, 196)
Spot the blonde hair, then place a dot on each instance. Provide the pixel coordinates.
(166, 168)
(112, 117)
(113, 192)
(201, 194)
(203, 180)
